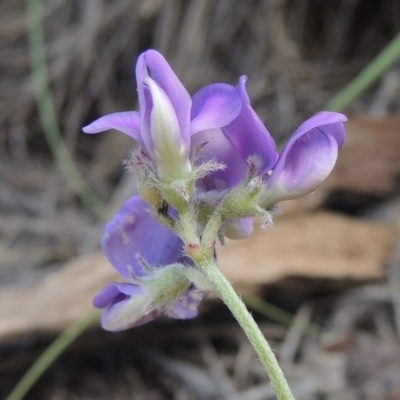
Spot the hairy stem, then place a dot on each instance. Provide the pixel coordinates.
(222, 287)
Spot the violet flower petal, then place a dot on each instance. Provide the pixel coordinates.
(127, 122)
(214, 106)
(133, 232)
(125, 306)
(153, 64)
(145, 127)
(187, 305)
(114, 290)
(249, 136)
(304, 164)
(331, 123)
(238, 228)
(163, 138)
(217, 147)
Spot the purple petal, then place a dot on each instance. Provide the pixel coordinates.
(217, 147)
(134, 231)
(127, 122)
(153, 64)
(248, 134)
(114, 290)
(125, 306)
(187, 305)
(145, 112)
(238, 228)
(141, 72)
(162, 135)
(330, 122)
(304, 164)
(214, 106)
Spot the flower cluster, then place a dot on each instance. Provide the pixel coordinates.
(205, 165)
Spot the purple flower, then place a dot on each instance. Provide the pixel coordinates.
(167, 119)
(306, 160)
(249, 136)
(132, 240)
(183, 138)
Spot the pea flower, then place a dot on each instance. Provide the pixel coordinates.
(305, 162)
(205, 166)
(167, 118)
(179, 135)
(140, 248)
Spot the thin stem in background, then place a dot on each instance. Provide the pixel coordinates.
(276, 313)
(47, 113)
(368, 76)
(52, 352)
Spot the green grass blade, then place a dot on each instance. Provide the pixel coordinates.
(51, 354)
(277, 314)
(389, 55)
(47, 113)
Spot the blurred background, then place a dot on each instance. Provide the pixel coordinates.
(330, 264)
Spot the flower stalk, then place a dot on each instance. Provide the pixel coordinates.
(207, 276)
(224, 290)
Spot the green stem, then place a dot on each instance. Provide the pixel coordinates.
(223, 289)
(367, 77)
(47, 113)
(47, 358)
(277, 314)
